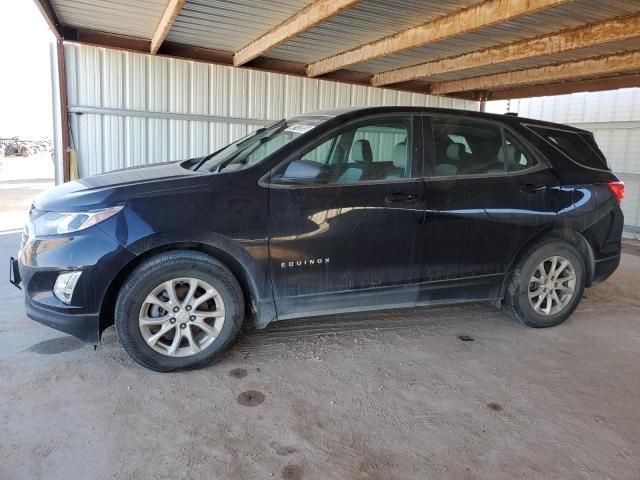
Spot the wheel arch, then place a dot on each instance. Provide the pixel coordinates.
(572, 237)
(229, 253)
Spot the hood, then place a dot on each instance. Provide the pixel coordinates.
(115, 187)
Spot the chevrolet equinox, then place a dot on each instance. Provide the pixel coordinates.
(328, 212)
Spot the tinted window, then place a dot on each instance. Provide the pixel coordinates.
(368, 151)
(580, 148)
(467, 147)
(472, 147)
(514, 155)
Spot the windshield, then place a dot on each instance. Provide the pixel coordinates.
(257, 146)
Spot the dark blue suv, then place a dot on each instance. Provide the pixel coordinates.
(329, 212)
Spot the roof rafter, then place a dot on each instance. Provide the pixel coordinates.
(169, 16)
(303, 20)
(473, 18)
(618, 29)
(599, 84)
(576, 70)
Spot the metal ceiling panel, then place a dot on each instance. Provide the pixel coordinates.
(229, 25)
(135, 18)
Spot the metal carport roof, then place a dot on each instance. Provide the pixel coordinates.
(461, 48)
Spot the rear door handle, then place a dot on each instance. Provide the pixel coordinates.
(531, 188)
(401, 197)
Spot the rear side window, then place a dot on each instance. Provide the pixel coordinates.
(464, 146)
(579, 147)
(514, 155)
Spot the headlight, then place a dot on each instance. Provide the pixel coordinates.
(55, 223)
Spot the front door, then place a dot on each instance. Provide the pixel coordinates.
(346, 240)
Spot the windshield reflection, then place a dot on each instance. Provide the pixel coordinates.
(257, 146)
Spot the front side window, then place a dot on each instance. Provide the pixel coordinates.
(472, 147)
(372, 150)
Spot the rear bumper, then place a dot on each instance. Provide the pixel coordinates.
(604, 268)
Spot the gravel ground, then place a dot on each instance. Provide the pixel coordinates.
(446, 393)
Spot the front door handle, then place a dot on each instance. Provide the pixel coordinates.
(532, 188)
(401, 197)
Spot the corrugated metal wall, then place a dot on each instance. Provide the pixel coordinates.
(614, 118)
(132, 109)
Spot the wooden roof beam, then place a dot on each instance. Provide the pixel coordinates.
(169, 16)
(307, 18)
(482, 15)
(597, 85)
(615, 30)
(576, 70)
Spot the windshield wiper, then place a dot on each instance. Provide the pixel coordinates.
(226, 162)
(275, 128)
(205, 158)
(259, 131)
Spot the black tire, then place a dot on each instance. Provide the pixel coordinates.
(516, 302)
(167, 266)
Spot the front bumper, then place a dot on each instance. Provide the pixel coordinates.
(41, 260)
(85, 326)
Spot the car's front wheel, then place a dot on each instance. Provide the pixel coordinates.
(546, 285)
(178, 310)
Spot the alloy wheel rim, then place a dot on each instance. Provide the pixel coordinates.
(181, 317)
(552, 285)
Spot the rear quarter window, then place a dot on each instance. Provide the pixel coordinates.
(581, 148)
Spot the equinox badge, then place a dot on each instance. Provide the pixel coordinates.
(301, 263)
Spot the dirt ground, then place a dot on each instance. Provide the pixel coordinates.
(444, 393)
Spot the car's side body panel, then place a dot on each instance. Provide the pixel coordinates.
(474, 228)
(329, 243)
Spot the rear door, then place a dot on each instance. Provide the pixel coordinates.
(347, 240)
(486, 196)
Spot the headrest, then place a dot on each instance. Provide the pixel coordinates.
(361, 151)
(455, 151)
(507, 154)
(399, 155)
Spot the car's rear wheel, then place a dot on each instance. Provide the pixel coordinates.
(547, 284)
(178, 310)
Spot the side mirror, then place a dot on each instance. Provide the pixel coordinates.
(301, 171)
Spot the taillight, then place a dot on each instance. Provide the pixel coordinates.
(618, 189)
